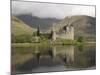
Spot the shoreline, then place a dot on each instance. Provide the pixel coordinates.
(46, 44)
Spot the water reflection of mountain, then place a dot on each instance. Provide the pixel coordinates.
(57, 58)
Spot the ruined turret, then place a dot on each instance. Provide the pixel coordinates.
(69, 32)
(53, 34)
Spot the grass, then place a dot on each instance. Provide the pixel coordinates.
(45, 44)
(28, 44)
(64, 42)
(18, 27)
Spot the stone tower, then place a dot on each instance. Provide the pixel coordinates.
(53, 34)
(69, 32)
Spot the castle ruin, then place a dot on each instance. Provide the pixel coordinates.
(66, 32)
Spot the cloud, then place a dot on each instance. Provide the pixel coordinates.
(48, 10)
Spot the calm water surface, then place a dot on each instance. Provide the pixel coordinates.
(53, 58)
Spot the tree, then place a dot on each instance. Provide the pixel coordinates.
(38, 31)
(80, 39)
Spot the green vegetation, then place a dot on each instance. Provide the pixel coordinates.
(23, 35)
(20, 32)
(80, 39)
(46, 42)
(21, 38)
(18, 27)
(64, 42)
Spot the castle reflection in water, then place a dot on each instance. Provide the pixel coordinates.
(56, 57)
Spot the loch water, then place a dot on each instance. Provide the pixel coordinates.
(48, 58)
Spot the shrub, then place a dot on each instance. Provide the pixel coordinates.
(80, 39)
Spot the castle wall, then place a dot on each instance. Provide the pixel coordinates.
(68, 34)
(54, 36)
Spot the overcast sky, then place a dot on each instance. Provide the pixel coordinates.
(47, 10)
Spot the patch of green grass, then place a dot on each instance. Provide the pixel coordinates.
(29, 44)
(45, 43)
(64, 42)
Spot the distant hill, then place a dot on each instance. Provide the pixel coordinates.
(34, 21)
(18, 27)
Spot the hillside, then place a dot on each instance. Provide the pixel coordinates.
(83, 25)
(34, 21)
(18, 27)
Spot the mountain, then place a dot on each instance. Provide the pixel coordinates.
(83, 25)
(18, 27)
(33, 21)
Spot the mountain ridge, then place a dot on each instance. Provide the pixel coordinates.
(35, 22)
(83, 25)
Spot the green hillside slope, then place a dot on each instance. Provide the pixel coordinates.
(18, 27)
(20, 32)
